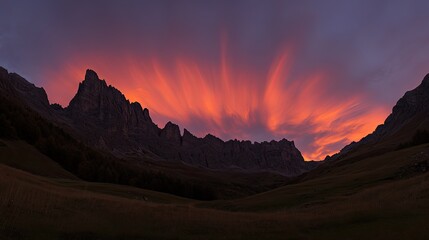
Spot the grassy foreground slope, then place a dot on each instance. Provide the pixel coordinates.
(384, 197)
(335, 183)
(21, 155)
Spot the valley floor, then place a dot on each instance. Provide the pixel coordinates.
(383, 197)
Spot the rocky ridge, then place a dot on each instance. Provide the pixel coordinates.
(412, 108)
(102, 117)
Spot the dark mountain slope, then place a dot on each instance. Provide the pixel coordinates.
(21, 155)
(409, 116)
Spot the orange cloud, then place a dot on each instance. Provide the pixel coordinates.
(232, 103)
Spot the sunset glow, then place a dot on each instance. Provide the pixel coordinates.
(227, 102)
(320, 74)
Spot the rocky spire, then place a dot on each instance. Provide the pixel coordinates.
(171, 132)
(91, 75)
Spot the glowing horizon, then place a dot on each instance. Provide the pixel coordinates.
(230, 104)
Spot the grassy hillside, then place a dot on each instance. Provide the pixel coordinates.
(384, 197)
(21, 155)
(344, 181)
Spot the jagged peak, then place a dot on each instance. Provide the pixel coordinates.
(186, 132)
(91, 88)
(146, 114)
(93, 81)
(285, 140)
(169, 124)
(91, 75)
(171, 132)
(213, 137)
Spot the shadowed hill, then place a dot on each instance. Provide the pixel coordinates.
(21, 155)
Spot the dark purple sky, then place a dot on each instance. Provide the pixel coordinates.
(322, 73)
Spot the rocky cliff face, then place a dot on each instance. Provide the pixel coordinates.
(127, 129)
(412, 108)
(104, 118)
(15, 86)
(171, 133)
(108, 120)
(412, 104)
(211, 152)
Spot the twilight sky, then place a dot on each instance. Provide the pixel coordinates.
(321, 73)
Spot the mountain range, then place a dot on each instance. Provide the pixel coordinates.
(103, 118)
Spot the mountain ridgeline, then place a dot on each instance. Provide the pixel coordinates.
(407, 125)
(103, 118)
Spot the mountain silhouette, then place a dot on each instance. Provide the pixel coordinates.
(409, 116)
(102, 117)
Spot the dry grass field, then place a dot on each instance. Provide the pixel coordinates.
(383, 197)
